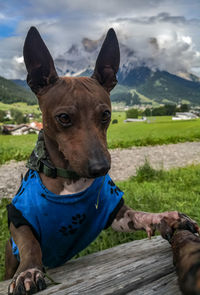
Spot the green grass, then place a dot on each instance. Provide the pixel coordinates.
(177, 189)
(21, 106)
(151, 191)
(158, 130)
(16, 147)
(4, 234)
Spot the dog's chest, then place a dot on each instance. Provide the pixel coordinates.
(76, 187)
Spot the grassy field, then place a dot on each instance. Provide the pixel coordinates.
(21, 106)
(158, 130)
(16, 147)
(148, 191)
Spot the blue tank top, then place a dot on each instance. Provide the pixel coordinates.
(65, 224)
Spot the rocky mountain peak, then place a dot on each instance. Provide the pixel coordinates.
(91, 45)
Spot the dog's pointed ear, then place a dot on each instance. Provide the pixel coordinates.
(38, 61)
(107, 63)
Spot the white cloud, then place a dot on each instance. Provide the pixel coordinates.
(19, 59)
(173, 24)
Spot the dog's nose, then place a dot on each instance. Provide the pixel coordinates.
(97, 169)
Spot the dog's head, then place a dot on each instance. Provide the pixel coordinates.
(76, 111)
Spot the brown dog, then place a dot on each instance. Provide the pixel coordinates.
(76, 114)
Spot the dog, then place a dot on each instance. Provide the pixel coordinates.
(67, 196)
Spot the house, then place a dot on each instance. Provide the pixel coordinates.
(135, 120)
(37, 125)
(184, 116)
(8, 115)
(21, 129)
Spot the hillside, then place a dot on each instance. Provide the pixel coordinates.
(22, 83)
(142, 85)
(10, 92)
(162, 86)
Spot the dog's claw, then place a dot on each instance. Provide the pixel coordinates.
(191, 227)
(30, 288)
(188, 223)
(11, 287)
(28, 282)
(20, 290)
(41, 285)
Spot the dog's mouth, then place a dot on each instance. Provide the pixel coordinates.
(96, 174)
(95, 170)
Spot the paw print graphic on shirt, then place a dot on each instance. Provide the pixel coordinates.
(114, 188)
(78, 219)
(71, 229)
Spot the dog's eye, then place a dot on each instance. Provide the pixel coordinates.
(106, 116)
(64, 119)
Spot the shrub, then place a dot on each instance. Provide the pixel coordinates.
(2, 115)
(147, 173)
(115, 121)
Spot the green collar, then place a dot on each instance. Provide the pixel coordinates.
(39, 161)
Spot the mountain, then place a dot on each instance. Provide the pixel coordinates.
(10, 92)
(22, 83)
(160, 86)
(138, 82)
(81, 57)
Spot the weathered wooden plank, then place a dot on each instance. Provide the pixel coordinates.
(139, 267)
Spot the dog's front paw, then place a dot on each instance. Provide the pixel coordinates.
(27, 282)
(171, 221)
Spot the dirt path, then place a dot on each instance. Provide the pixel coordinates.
(124, 163)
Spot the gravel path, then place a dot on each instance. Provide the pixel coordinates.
(124, 163)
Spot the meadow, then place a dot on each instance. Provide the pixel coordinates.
(21, 106)
(148, 191)
(157, 130)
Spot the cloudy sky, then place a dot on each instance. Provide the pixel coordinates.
(168, 31)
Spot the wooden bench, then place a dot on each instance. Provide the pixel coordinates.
(139, 268)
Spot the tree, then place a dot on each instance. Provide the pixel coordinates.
(170, 109)
(166, 110)
(18, 116)
(147, 112)
(2, 115)
(184, 107)
(132, 113)
(160, 111)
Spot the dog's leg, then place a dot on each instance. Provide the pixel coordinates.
(29, 276)
(128, 220)
(11, 262)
